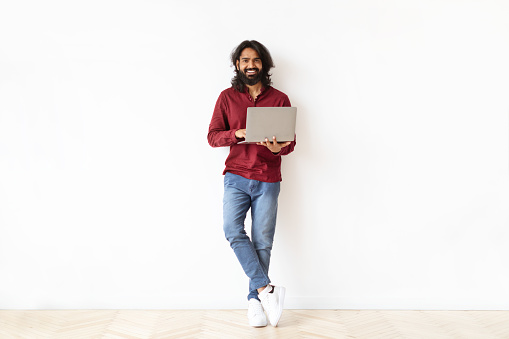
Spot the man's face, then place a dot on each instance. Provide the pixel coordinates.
(249, 66)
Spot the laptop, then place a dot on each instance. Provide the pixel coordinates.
(266, 122)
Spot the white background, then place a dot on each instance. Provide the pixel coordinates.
(396, 196)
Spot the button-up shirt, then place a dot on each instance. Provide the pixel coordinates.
(250, 161)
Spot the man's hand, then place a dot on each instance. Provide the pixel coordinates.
(240, 133)
(273, 146)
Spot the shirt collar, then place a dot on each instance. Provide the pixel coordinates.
(263, 89)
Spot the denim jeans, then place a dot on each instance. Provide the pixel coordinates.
(240, 194)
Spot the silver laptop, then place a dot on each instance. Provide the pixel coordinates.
(266, 122)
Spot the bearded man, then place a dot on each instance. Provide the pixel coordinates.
(252, 176)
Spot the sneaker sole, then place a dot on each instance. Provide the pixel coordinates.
(258, 325)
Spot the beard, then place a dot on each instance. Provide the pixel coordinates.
(250, 80)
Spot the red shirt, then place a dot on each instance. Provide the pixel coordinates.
(250, 161)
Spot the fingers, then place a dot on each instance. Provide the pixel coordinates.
(281, 145)
(240, 133)
(273, 146)
(265, 143)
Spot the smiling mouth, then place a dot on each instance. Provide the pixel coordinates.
(251, 72)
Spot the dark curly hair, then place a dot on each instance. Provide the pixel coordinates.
(265, 57)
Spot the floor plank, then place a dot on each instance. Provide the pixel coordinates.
(164, 324)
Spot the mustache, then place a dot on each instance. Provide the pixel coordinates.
(252, 79)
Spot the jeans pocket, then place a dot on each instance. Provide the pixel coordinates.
(227, 178)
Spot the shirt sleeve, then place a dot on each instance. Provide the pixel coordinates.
(288, 149)
(219, 130)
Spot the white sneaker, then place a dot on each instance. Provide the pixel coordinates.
(272, 298)
(255, 314)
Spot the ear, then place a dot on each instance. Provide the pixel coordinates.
(237, 65)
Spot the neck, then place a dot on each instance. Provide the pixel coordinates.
(255, 89)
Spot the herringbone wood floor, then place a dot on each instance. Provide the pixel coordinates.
(233, 324)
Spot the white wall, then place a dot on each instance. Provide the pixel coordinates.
(396, 196)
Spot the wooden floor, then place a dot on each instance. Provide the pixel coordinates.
(233, 324)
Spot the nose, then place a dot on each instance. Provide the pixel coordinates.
(251, 64)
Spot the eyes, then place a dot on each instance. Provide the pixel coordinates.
(256, 61)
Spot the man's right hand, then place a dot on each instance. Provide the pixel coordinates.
(240, 133)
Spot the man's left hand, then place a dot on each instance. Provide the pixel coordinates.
(273, 146)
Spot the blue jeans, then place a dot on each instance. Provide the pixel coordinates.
(240, 194)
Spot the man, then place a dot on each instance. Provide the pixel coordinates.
(252, 176)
